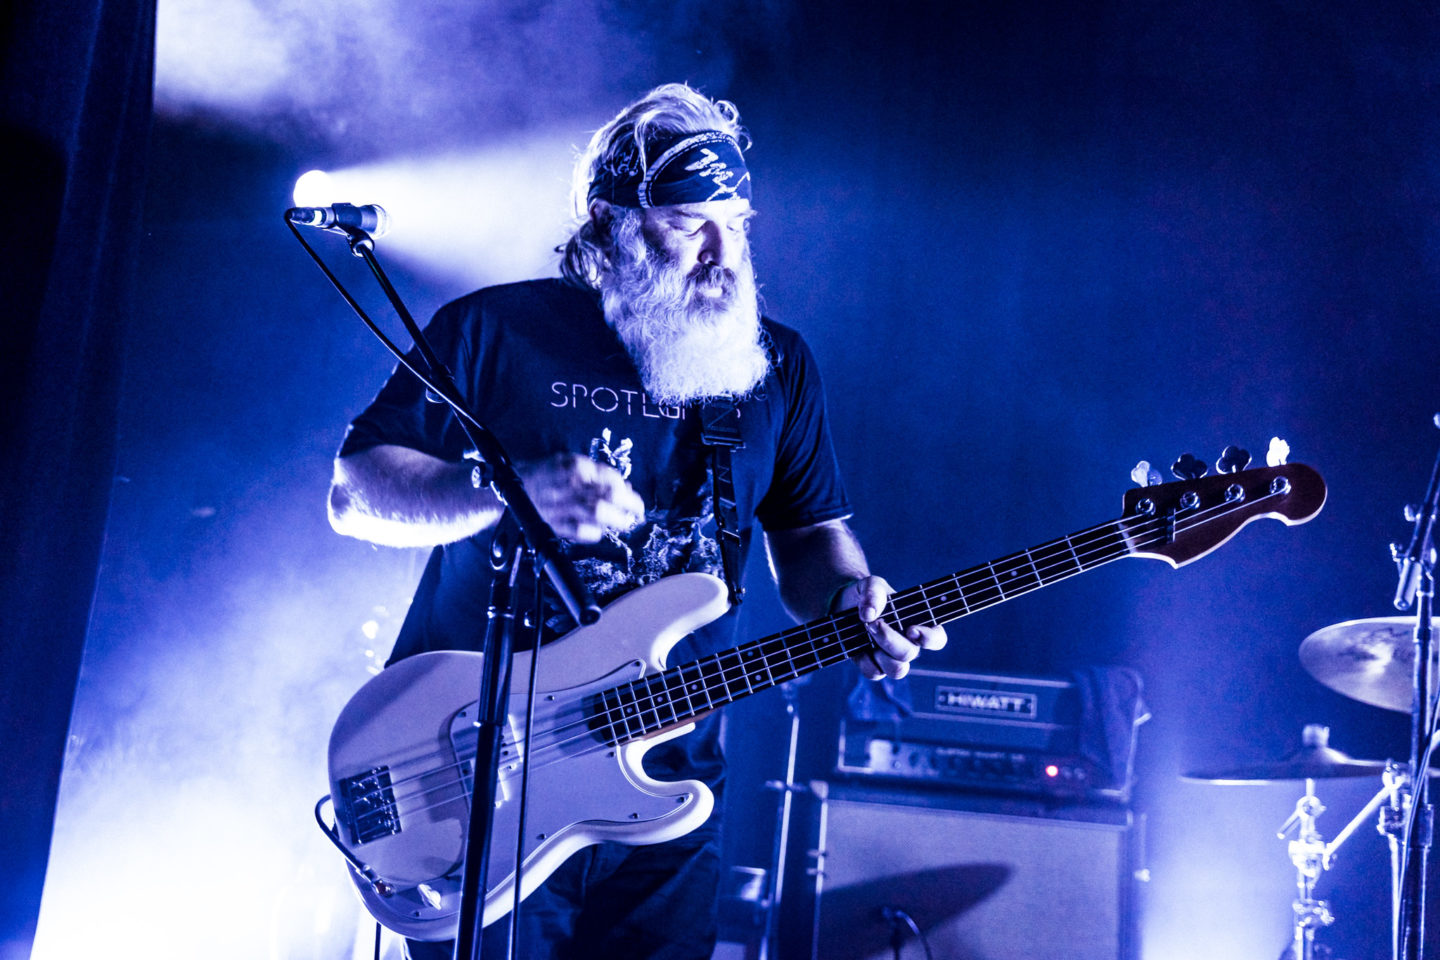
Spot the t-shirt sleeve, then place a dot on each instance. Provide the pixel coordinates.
(400, 413)
(806, 487)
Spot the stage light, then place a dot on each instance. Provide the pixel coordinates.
(465, 219)
(314, 189)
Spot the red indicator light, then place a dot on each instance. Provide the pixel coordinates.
(1051, 770)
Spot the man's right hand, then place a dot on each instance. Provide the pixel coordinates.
(581, 499)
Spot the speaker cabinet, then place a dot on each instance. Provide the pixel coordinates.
(978, 885)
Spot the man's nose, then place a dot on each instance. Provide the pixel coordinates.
(715, 247)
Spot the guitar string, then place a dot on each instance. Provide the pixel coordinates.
(646, 703)
(736, 669)
(825, 655)
(845, 636)
(837, 643)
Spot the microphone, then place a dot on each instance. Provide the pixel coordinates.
(370, 218)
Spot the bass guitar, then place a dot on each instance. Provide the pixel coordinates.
(401, 753)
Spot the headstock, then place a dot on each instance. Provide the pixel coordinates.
(1182, 521)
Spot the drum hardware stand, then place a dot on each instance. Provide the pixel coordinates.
(1309, 852)
(1312, 855)
(1394, 813)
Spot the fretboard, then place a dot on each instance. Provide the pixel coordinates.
(688, 691)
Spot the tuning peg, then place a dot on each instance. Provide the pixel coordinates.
(1278, 454)
(1189, 468)
(1232, 460)
(1145, 475)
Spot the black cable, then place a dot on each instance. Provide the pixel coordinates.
(524, 746)
(572, 592)
(1418, 788)
(444, 388)
(390, 345)
(915, 929)
(895, 917)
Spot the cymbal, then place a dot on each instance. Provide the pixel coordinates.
(1367, 660)
(1317, 760)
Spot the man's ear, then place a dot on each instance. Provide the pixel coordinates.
(602, 215)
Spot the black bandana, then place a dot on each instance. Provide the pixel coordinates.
(680, 168)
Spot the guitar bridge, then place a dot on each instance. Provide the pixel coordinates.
(369, 806)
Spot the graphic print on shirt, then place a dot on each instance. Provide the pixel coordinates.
(618, 457)
(677, 534)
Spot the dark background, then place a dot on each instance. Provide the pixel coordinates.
(1030, 243)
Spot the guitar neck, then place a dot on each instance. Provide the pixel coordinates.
(685, 692)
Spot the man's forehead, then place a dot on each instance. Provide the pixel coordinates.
(708, 210)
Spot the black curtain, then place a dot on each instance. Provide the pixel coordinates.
(77, 81)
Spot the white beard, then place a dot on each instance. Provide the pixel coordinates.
(691, 337)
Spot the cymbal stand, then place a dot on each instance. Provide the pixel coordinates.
(1393, 816)
(1392, 801)
(1310, 855)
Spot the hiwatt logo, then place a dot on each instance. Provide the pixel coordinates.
(995, 703)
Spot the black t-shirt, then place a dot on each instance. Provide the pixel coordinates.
(543, 371)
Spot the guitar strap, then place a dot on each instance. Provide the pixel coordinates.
(720, 432)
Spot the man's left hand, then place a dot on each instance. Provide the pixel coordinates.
(891, 650)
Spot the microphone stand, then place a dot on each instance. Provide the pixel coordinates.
(1417, 586)
(539, 540)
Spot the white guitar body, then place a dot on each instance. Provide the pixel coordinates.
(402, 795)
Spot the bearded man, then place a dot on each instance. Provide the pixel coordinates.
(599, 385)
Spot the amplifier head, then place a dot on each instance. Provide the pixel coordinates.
(1039, 735)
